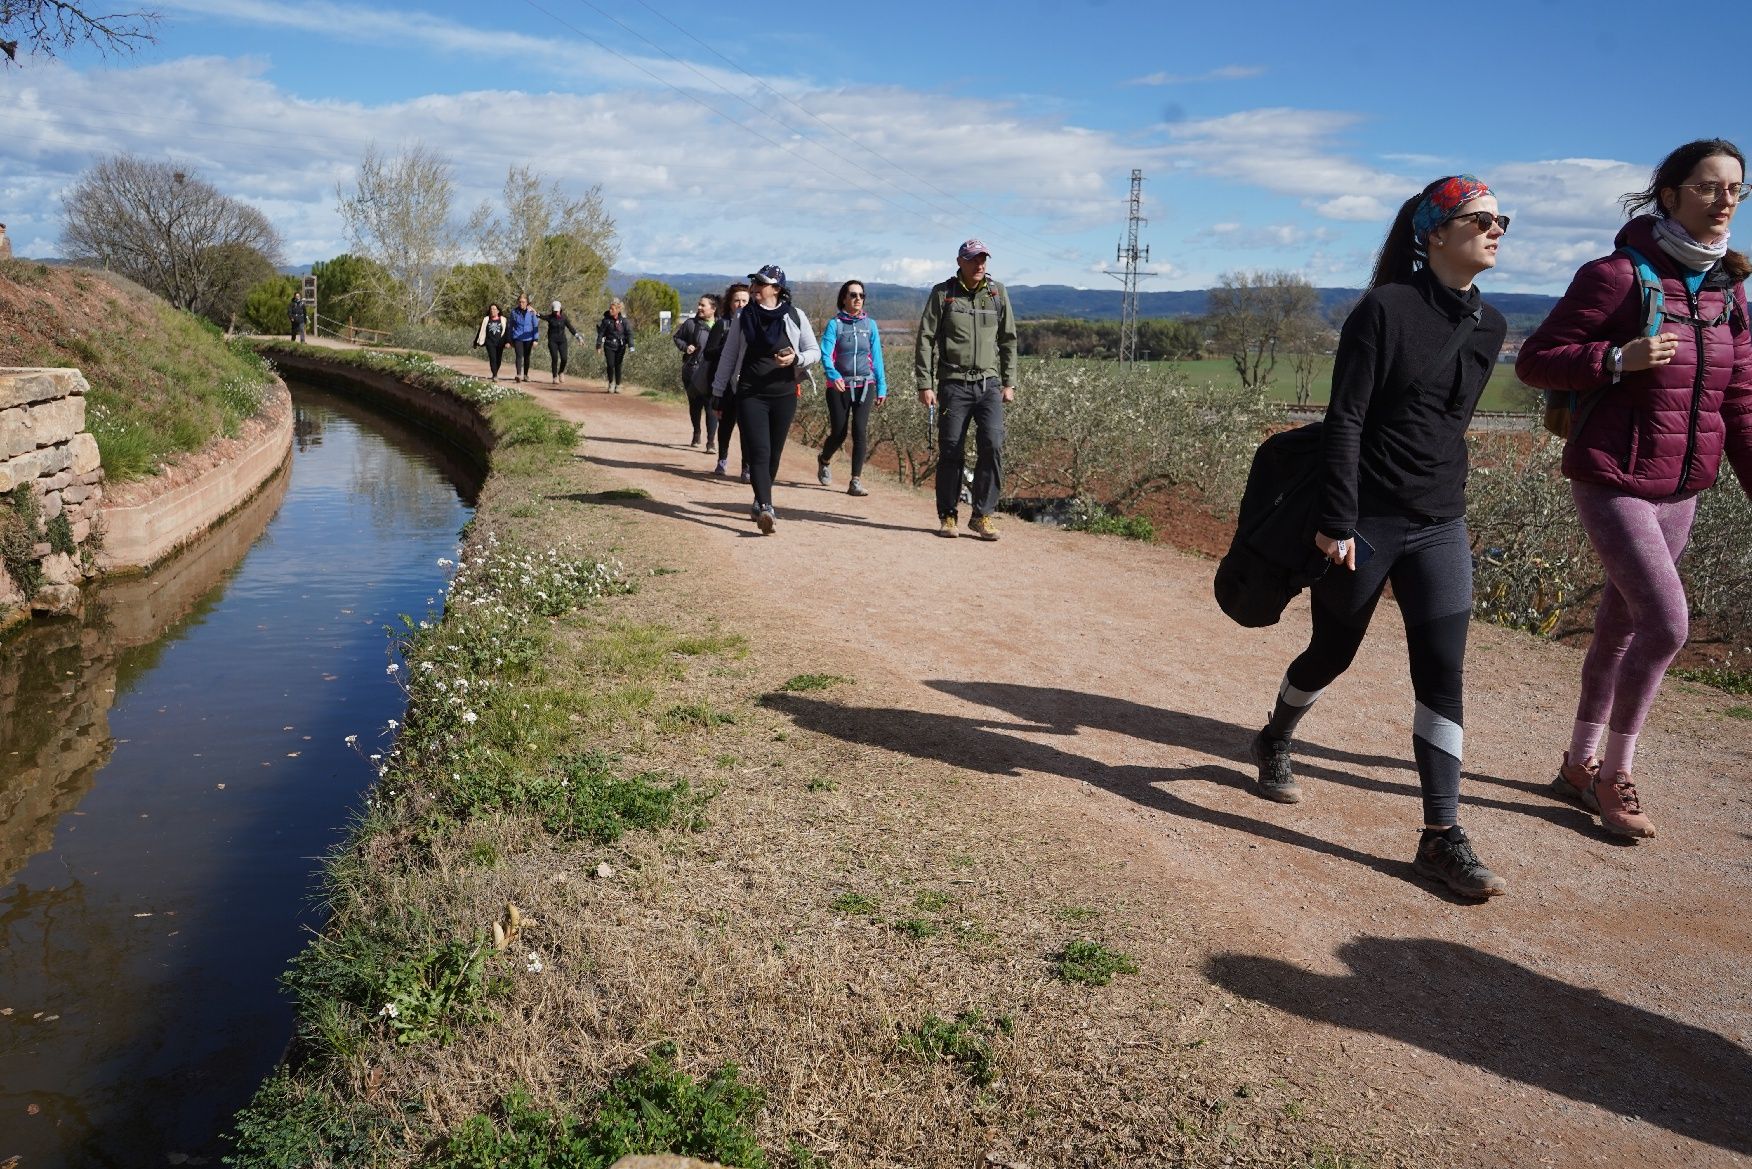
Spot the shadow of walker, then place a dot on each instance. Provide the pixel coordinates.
(1483, 1010)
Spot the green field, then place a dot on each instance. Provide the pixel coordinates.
(1505, 391)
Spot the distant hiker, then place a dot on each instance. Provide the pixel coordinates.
(690, 338)
(614, 340)
(525, 329)
(735, 299)
(964, 363)
(766, 357)
(558, 325)
(1413, 357)
(297, 314)
(5, 244)
(1662, 380)
(493, 334)
(851, 359)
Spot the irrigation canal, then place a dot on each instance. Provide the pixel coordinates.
(172, 770)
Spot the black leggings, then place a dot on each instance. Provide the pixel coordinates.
(611, 356)
(727, 427)
(557, 354)
(520, 353)
(495, 355)
(765, 423)
(843, 410)
(1429, 563)
(698, 404)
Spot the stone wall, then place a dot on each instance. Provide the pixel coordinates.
(44, 448)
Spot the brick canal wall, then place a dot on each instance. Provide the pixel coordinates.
(52, 488)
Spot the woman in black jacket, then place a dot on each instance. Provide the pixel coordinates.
(1413, 358)
(614, 339)
(690, 338)
(734, 301)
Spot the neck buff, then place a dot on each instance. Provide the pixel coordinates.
(1440, 204)
(1677, 242)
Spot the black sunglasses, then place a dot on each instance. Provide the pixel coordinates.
(854, 296)
(1484, 220)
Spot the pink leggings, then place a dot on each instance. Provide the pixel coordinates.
(1641, 623)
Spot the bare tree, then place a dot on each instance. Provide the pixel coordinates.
(546, 243)
(50, 26)
(398, 214)
(168, 230)
(1251, 314)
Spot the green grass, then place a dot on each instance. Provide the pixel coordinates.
(802, 683)
(1091, 963)
(1504, 392)
(1734, 681)
(854, 903)
(1744, 712)
(918, 928)
(965, 1041)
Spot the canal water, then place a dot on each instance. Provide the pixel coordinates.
(174, 767)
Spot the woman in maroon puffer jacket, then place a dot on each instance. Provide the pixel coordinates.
(1654, 418)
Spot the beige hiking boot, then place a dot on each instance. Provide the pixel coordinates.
(1620, 809)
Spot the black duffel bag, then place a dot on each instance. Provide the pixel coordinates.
(1273, 557)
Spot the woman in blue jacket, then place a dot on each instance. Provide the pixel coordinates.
(525, 331)
(851, 352)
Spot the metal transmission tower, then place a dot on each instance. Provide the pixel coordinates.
(1130, 255)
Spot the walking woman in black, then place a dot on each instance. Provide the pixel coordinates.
(614, 337)
(493, 334)
(766, 357)
(558, 325)
(1413, 358)
(724, 409)
(690, 339)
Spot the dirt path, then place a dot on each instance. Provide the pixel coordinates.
(1600, 1014)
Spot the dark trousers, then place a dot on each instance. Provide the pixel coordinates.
(727, 427)
(520, 356)
(846, 411)
(297, 329)
(611, 359)
(557, 354)
(495, 355)
(1429, 563)
(765, 423)
(958, 404)
(698, 404)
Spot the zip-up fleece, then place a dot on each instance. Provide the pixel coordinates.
(851, 351)
(1657, 431)
(965, 335)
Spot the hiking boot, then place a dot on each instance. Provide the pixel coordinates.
(983, 527)
(1575, 783)
(766, 519)
(747, 475)
(857, 488)
(823, 474)
(1620, 810)
(1447, 857)
(946, 527)
(1272, 757)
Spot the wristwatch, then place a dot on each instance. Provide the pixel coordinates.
(1615, 362)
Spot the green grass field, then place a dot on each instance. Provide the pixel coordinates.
(1505, 391)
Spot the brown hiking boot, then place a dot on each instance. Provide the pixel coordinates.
(1575, 783)
(1620, 810)
(983, 527)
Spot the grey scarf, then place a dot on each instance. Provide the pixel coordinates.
(1677, 242)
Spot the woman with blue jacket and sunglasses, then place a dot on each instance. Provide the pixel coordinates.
(851, 354)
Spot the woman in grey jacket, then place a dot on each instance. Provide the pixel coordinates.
(766, 357)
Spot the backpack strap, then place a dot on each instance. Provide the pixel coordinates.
(1462, 332)
(1654, 296)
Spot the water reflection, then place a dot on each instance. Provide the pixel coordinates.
(171, 768)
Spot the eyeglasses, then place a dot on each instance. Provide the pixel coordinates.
(1484, 220)
(1710, 192)
(854, 296)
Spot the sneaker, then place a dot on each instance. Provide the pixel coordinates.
(823, 474)
(984, 527)
(1620, 809)
(857, 488)
(694, 441)
(722, 469)
(1448, 857)
(1272, 757)
(946, 527)
(747, 475)
(1574, 782)
(766, 520)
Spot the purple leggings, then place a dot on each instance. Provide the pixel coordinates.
(1641, 623)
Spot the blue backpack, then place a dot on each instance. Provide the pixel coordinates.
(1566, 410)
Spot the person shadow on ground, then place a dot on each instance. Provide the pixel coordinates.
(1476, 1008)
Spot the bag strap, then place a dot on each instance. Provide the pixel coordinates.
(1461, 334)
(1654, 295)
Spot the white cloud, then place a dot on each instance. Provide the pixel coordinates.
(1221, 73)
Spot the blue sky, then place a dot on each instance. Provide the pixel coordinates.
(845, 140)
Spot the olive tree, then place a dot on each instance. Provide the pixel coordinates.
(170, 231)
(398, 214)
(547, 243)
(647, 299)
(1253, 314)
(46, 27)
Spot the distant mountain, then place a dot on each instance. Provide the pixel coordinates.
(1524, 310)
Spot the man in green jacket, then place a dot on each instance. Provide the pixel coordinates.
(964, 363)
